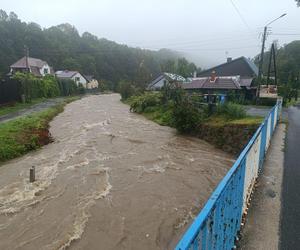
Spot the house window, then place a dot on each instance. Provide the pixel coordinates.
(45, 71)
(77, 79)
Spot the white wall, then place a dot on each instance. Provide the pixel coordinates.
(43, 68)
(159, 84)
(81, 80)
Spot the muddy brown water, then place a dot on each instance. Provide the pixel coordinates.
(111, 180)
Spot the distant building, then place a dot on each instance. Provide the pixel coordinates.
(241, 66)
(92, 83)
(72, 75)
(165, 79)
(214, 84)
(35, 66)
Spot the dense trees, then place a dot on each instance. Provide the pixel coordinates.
(63, 48)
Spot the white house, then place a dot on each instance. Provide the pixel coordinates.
(72, 75)
(165, 79)
(35, 66)
(92, 83)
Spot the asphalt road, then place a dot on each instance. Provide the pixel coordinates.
(35, 108)
(290, 215)
(262, 111)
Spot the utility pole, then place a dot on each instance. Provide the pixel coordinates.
(261, 60)
(26, 51)
(272, 56)
(262, 53)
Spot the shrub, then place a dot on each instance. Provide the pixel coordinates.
(126, 90)
(149, 99)
(231, 110)
(186, 117)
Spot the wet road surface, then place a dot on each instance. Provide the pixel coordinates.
(111, 180)
(33, 109)
(290, 214)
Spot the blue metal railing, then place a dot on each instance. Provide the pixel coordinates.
(218, 223)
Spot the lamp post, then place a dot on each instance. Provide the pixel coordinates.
(263, 51)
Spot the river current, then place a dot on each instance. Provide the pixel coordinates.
(110, 180)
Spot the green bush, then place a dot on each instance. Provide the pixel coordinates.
(186, 117)
(142, 102)
(231, 110)
(34, 87)
(126, 90)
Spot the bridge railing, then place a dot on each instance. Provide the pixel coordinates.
(218, 223)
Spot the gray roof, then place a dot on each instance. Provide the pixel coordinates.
(241, 66)
(89, 78)
(169, 77)
(32, 62)
(223, 82)
(65, 73)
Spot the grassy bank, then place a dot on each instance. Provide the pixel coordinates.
(19, 106)
(28, 133)
(229, 128)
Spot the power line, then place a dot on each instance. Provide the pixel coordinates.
(286, 34)
(241, 16)
(216, 49)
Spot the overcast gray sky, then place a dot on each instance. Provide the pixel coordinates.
(208, 31)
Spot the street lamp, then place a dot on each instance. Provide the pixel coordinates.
(263, 50)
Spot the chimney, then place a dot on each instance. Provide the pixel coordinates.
(213, 76)
(229, 59)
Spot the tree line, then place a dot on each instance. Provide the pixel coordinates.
(64, 48)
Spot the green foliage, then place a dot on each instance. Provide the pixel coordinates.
(19, 136)
(34, 87)
(186, 117)
(67, 87)
(126, 90)
(148, 100)
(288, 62)
(231, 110)
(62, 47)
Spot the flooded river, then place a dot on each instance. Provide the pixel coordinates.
(111, 180)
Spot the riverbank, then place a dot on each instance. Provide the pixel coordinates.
(228, 134)
(22, 135)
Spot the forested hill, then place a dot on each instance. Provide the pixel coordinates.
(288, 62)
(63, 48)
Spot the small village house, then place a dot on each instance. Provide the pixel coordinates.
(92, 83)
(72, 75)
(235, 76)
(35, 66)
(165, 79)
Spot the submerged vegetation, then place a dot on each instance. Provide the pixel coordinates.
(21, 135)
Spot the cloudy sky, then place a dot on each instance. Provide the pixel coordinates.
(207, 31)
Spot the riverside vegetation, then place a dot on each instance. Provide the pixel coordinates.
(228, 127)
(22, 135)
